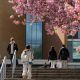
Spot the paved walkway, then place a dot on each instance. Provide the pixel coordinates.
(43, 61)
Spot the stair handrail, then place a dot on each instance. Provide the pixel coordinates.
(13, 63)
(3, 69)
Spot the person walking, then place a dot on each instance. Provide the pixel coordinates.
(26, 58)
(64, 56)
(12, 46)
(52, 57)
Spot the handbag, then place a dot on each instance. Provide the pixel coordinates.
(59, 64)
(30, 61)
(25, 58)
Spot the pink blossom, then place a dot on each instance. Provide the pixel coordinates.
(64, 31)
(73, 32)
(49, 1)
(79, 18)
(12, 17)
(62, 13)
(16, 22)
(11, 1)
(49, 32)
(74, 23)
(23, 23)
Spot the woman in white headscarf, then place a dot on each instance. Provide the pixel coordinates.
(27, 57)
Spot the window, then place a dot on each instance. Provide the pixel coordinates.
(34, 36)
(74, 42)
(74, 37)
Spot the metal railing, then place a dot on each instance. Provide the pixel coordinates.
(3, 69)
(13, 63)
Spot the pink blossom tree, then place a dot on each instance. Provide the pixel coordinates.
(64, 14)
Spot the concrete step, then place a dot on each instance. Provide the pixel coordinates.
(18, 79)
(39, 79)
(45, 71)
(49, 76)
(57, 76)
(41, 72)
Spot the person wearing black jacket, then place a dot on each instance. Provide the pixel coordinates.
(12, 46)
(52, 57)
(64, 56)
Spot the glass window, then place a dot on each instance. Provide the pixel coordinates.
(74, 37)
(74, 42)
(79, 35)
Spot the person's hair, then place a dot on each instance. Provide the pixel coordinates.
(63, 45)
(28, 47)
(12, 38)
(52, 48)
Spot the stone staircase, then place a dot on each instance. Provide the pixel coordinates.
(42, 73)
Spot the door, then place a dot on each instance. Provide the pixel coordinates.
(34, 36)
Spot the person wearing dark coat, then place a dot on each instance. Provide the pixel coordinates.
(64, 56)
(12, 46)
(52, 57)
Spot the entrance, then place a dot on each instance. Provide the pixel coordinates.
(34, 36)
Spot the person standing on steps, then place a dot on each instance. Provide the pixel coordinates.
(64, 56)
(26, 58)
(12, 46)
(52, 57)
